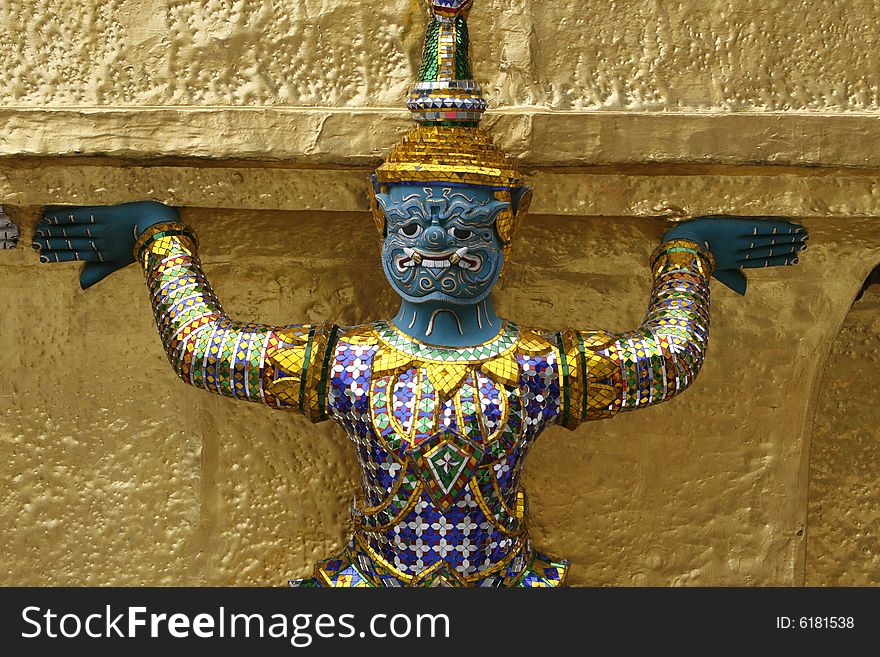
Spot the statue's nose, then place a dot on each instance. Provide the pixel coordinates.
(435, 236)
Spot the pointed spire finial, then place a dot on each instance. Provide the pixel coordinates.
(446, 92)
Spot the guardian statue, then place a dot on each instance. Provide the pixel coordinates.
(444, 400)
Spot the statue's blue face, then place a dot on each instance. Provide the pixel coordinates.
(440, 242)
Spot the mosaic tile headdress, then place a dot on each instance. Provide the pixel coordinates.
(448, 146)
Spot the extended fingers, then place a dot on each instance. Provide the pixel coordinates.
(45, 229)
(752, 241)
(764, 252)
(775, 228)
(775, 261)
(61, 216)
(70, 256)
(65, 244)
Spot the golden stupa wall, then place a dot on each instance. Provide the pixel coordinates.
(263, 120)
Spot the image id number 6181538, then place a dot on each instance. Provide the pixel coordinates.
(815, 622)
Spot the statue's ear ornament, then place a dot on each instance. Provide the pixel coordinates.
(505, 222)
(447, 146)
(375, 208)
(521, 198)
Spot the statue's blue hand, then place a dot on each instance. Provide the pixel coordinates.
(744, 243)
(103, 237)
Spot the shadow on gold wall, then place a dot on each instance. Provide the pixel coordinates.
(843, 542)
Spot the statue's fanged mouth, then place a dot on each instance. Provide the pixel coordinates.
(438, 261)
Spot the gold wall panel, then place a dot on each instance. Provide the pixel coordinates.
(333, 137)
(658, 191)
(843, 542)
(607, 54)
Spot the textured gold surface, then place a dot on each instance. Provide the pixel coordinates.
(843, 541)
(125, 475)
(351, 137)
(633, 55)
(674, 191)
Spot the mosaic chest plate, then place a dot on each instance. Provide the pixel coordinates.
(441, 435)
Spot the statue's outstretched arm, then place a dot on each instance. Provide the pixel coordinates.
(605, 373)
(284, 367)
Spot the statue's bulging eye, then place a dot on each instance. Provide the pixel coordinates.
(461, 233)
(411, 230)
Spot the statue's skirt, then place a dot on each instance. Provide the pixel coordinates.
(356, 567)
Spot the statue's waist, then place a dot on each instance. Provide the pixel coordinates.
(360, 565)
(452, 561)
(478, 511)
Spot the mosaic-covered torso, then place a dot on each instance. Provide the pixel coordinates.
(441, 436)
(441, 433)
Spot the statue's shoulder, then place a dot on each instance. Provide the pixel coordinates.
(297, 358)
(364, 335)
(540, 337)
(302, 336)
(535, 340)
